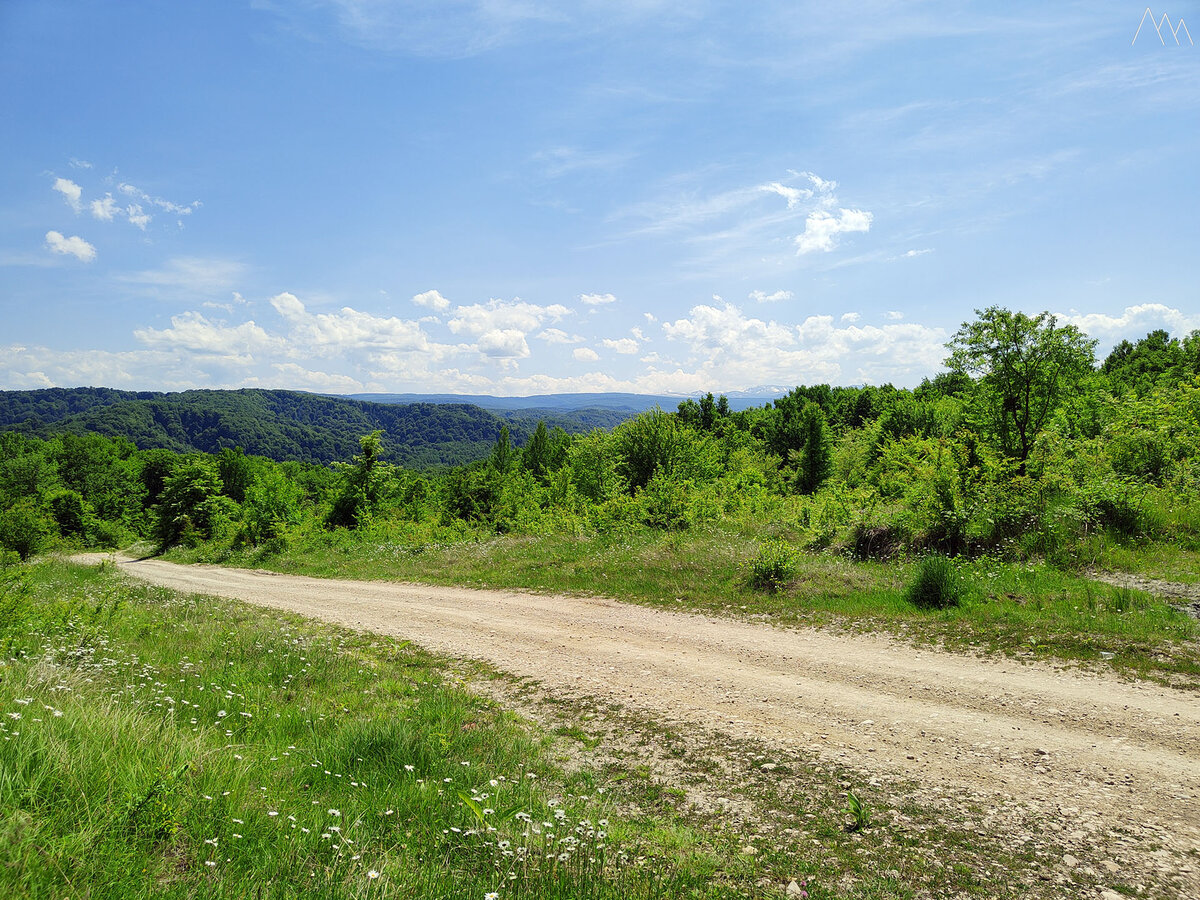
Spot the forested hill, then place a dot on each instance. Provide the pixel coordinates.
(276, 424)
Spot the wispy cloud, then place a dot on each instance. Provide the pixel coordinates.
(197, 275)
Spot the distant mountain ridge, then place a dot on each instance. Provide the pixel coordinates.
(634, 403)
(281, 424)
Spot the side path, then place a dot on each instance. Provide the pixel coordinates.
(1127, 753)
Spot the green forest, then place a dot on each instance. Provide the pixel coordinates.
(1023, 448)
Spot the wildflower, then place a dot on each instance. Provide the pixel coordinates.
(492, 895)
(335, 812)
(373, 874)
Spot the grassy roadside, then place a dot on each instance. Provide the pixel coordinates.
(155, 744)
(1028, 611)
(162, 745)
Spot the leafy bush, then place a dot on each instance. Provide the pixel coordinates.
(935, 586)
(774, 566)
(24, 528)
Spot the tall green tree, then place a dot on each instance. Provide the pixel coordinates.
(1024, 366)
(816, 456)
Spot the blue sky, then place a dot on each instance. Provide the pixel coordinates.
(518, 196)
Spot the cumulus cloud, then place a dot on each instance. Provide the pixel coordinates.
(70, 246)
(764, 297)
(821, 229)
(431, 300)
(624, 346)
(585, 354)
(347, 329)
(71, 192)
(195, 332)
(24, 368)
(106, 209)
(503, 343)
(597, 299)
(727, 347)
(851, 317)
(893, 315)
(290, 376)
(501, 315)
(1133, 323)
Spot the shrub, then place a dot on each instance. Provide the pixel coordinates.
(24, 528)
(935, 585)
(774, 565)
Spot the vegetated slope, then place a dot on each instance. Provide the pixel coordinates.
(273, 423)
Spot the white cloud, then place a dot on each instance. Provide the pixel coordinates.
(586, 354)
(1134, 322)
(764, 297)
(80, 163)
(431, 300)
(70, 246)
(893, 315)
(851, 317)
(105, 209)
(597, 299)
(71, 192)
(195, 332)
(195, 274)
(558, 336)
(821, 229)
(909, 254)
(728, 349)
(624, 346)
(290, 376)
(503, 343)
(347, 329)
(137, 216)
(502, 315)
(158, 202)
(23, 368)
(792, 195)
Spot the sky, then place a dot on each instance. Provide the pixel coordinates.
(517, 197)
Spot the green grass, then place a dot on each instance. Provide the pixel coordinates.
(154, 744)
(159, 745)
(1026, 610)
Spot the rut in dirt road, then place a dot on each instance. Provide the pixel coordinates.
(1127, 752)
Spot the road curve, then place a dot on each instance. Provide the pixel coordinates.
(1127, 751)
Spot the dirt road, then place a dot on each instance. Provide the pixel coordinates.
(1126, 754)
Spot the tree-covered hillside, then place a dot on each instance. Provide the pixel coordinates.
(276, 424)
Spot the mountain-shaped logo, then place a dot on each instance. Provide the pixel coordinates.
(1173, 30)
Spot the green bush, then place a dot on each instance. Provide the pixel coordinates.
(774, 566)
(935, 586)
(24, 528)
